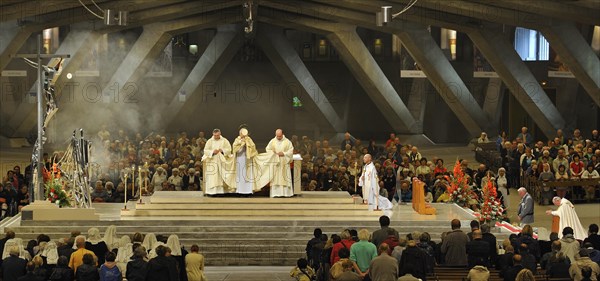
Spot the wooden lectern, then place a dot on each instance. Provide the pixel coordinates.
(556, 224)
(418, 199)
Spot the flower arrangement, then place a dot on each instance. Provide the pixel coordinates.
(54, 188)
(459, 191)
(491, 207)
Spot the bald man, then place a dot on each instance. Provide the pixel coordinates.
(281, 183)
(368, 181)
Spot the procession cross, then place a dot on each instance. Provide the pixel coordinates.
(37, 188)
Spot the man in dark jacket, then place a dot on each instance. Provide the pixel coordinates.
(88, 270)
(31, 276)
(381, 235)
(315, 241)
(137, 269)
(162, 268)
(478, 251)
(492, 242)
(62, 271)
(414, 258)
(511, 273)
(13, 267)
(593, 237)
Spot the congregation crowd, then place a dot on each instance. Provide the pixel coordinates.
(95, 257)
(174, 163)
(385, 255)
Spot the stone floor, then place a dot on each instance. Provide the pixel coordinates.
(248, 273)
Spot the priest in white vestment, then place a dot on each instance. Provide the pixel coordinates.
(244, 150)
(281, 180)
(216, 168)
(368, 181)
(568, 217)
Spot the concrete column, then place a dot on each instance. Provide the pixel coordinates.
(293, 71)
(577, 54)
(358, 59)
(209, 67)
(443, 77)
(501, 54)
(418, 98)
(492, 105)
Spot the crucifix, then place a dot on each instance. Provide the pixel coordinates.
(38, 183)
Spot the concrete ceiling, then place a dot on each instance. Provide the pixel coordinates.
(477, 18)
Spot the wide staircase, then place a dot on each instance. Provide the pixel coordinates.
(247, 231)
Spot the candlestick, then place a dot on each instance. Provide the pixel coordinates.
(133, 180)
(125, 185)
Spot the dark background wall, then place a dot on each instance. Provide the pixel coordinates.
(251, 91)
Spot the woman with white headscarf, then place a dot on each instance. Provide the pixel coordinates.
(149, 241)
(124, 240)
(96, 244)
(50, 253)
(124, 254)
(110, 237)
(18, 242)
(502, 184)
(179, 254)
(152, 254)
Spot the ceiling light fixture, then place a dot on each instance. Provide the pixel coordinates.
(385, 15)
(110, 17)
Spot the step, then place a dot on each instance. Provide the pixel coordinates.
(254, 213)
(259, 200)
(251, 206)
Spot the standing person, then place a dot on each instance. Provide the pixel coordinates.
(383, 267)
(454, 246)
(244, 150)
(415, 259)
(281, 184)
(216, 150)
(368, 181)
(568, 217)
(362, 253)
(381, 235)
(525, 213)
(194, 265)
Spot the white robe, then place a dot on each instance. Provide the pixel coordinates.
(281, 179)
(243, 179)
(216, 168)
(370, 187)
(568, 217)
